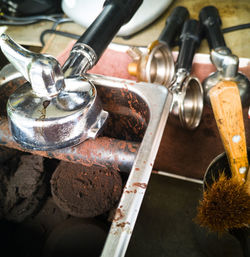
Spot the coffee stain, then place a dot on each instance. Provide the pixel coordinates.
(118, 215)
(43, 111)
(141, 185)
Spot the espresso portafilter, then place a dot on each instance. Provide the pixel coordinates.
(58, 107)
(221, 56)
(156, 65)
(187, 90)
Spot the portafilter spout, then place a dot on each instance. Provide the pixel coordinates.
(42, 71)
(58, 107)
(221, 56)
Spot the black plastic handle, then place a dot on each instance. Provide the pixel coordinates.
(173, 25)
(189, 42)
(115, 13)
(210, 19)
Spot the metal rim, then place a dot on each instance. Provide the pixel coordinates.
(191, 103)
(160, 66)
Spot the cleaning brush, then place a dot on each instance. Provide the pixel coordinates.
(225, 205)
(226, 202)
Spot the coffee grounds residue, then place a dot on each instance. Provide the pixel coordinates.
(85, 191)
(22, 187)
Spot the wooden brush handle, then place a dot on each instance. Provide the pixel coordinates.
(248, 182)
(227, 108)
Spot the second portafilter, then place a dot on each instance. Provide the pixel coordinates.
(156, 65)
(221, 56)
(186, 89)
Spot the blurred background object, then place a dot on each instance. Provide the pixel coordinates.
(30, 7)
(146, 14)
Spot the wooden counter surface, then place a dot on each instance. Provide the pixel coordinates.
(232, 13)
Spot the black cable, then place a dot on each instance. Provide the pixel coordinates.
(57, 32)
(60, 21)
(225, 30)
(51, 17)
(17, 23)
(20, 21)
(237, 27)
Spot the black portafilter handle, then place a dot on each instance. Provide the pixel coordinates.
(211, 22)
(173, 25)
(115, 13)
(189, 42)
